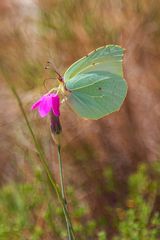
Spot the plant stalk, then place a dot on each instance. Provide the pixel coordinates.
(68, 221)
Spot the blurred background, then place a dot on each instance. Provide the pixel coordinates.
(111, 166)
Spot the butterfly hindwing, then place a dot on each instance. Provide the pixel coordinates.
(96, 94)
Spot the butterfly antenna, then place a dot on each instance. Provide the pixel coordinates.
(53, 66)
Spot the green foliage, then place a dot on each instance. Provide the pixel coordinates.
(139, 221)
(28, 211)
(102, 236)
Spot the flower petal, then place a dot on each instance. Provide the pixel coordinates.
(56, 104)
(45, 105)
(37, 103)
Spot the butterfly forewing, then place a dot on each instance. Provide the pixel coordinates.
(107, 58)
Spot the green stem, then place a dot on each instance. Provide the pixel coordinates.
(68, 221)
(61, 172)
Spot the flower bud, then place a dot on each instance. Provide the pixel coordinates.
(56, 128)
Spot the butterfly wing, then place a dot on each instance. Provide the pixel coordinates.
(95, 82)
(96, 93)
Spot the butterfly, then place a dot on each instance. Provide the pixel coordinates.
(95, 83)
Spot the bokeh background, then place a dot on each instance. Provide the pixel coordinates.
(112, 168)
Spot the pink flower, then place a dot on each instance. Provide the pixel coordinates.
(47, 103)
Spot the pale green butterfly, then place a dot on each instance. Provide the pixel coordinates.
(95, 83)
